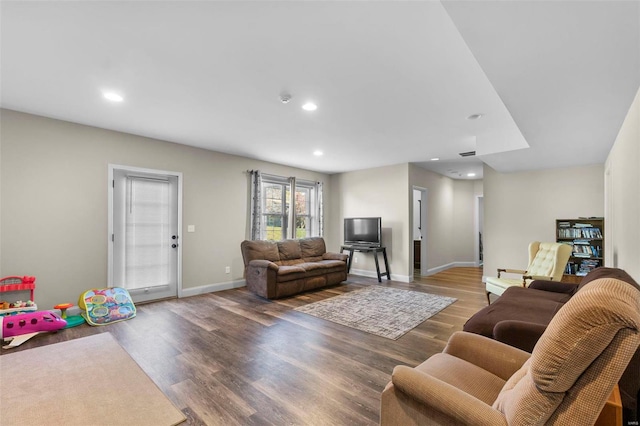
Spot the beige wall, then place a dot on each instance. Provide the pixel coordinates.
(464, 224)
(54, 203)
(375, 192)
(388, 192)
(522, 207)
(450, 217)
(622, 183)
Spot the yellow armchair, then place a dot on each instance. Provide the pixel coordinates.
(547, 261)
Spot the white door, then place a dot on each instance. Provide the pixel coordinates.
(145, 242)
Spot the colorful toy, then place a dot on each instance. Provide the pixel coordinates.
(106, 305)
(19, 328)
(16, 283)
(72, 320)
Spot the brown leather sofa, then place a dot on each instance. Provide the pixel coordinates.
(521, 315)
(284, 268)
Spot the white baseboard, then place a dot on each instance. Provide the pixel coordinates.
(186, 292)
(210, 288)
(450, 265)
(373, 274)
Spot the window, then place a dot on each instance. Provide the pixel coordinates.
(274, 210)
(277, 215)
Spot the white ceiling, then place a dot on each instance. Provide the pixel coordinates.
(394, 81)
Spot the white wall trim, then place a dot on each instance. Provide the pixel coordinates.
(424, 194)
(373, 274)
(210, 288)
(441, 268)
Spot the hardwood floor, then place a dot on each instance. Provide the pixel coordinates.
(233, 358)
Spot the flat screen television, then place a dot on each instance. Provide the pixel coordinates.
(363, 231)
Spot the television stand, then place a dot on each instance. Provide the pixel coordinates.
(375, 251)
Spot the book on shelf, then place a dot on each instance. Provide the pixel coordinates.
(591, 232)
(584, 250)
(571, 268)
(586, 266)
(580, 242)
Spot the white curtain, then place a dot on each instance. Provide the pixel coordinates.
(320, 209)
(256, 204)
(291, 215)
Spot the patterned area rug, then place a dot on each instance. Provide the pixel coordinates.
(383, 311)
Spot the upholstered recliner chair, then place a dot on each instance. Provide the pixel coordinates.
(546, 262)
(566, 380)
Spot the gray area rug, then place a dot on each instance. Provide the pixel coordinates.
(383, 311)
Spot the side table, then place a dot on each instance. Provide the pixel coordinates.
(375, 251)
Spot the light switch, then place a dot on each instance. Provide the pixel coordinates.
(191, 228)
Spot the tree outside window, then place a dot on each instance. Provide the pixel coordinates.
(275, 197)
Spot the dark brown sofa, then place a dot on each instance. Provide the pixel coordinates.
(284, 268)
(520, 316)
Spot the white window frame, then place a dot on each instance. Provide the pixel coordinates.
(287, 219)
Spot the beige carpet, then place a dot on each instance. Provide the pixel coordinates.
(91, 380)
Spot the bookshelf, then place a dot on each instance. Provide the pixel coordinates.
(586, 236)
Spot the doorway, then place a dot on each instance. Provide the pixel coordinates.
(144, 238)
(419, 243)
(479, 219)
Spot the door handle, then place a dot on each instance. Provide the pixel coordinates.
(174, 237)
(174, 245)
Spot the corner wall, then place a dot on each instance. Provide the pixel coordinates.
(622, 183)
(522, 207)
(53, 211)
(375, 192)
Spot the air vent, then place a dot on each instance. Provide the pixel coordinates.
(467, 154)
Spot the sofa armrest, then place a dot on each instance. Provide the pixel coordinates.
(263, 264)
(554, 286)
(537, 277)
(519, 334)
(335, 256)
(496, 357)
(444, 398)
(511, 271)
(261, 276)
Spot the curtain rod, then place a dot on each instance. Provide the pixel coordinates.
(282, 177)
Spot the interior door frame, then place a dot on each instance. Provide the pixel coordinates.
(479, 211)
(424, 193)
(110, 229)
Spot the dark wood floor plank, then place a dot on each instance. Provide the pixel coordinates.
(233, 358)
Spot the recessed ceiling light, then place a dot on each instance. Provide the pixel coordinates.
(474, 116)
(435, 159)
(318, 153)
(112, 96)
(309, 106)
(471, 174)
